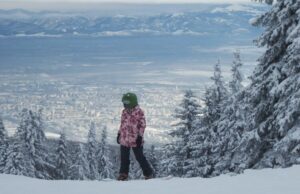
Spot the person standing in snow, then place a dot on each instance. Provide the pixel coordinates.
(130, 135)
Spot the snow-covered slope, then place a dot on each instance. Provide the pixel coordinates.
(267, 181)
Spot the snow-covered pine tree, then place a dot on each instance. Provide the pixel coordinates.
(187, 114)
(91, 150)
(236, 83)
(153, 161)
(231, 123)
(273, 97)
(201, 142)
(169, 161)
(30, 145)
(80, 169)
(215, 95)
(18, 158)
(16, 162)
(44, 169)
(135, 171)
(3, 145)
(105, 167)
(62, 159)
(229, 129)
(203, 139)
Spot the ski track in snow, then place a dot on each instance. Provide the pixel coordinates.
(267, 181)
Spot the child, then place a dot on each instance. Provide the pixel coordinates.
(130, 135)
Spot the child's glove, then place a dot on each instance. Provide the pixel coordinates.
(118, 138)
(139, 141)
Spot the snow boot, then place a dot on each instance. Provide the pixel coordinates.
(149, 177)
(123, 177)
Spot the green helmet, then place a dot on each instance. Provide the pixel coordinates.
(129, 100)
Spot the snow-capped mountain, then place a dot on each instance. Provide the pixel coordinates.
(228, 19)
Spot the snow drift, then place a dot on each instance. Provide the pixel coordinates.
(267, 181)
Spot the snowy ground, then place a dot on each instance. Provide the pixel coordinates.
(267, 181)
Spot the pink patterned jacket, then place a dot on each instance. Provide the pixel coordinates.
(133, 123)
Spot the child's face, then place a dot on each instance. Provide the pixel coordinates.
(126, 106)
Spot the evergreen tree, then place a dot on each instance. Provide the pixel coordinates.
(19, 160)
(16, 162)
(135, 171)
(62, 160)
(201, 164)
(80, 169)
(215, 95)
(236, 83)
(91, 149)
(230, 125)
(30, 145)
(273, 95)
(203, 139)
(201, 142)
(105, 167)
(44, 169)
(259, 124)
(153, 161)
(187, 114)
(170, 163)
(229, 130)
(3, 146)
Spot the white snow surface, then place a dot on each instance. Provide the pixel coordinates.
(266, 181)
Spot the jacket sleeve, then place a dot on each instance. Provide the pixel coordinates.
(142, 123)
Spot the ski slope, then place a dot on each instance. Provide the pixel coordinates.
(267, 181)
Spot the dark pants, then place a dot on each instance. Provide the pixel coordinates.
(139, 155)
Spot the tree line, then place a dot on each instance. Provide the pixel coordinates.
(27, 153)
(252, 127)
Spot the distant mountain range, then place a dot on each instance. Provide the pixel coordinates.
(220, 19)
